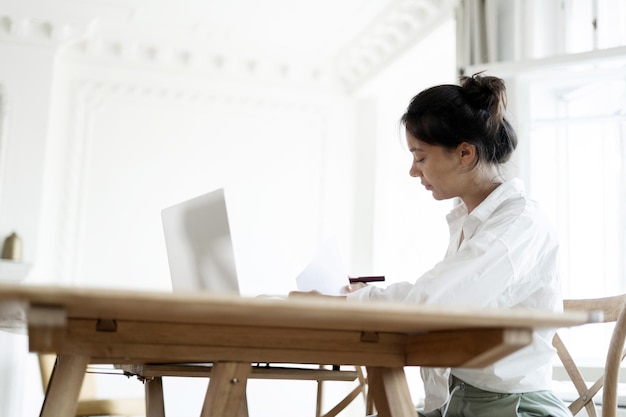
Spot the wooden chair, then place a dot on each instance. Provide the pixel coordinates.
(360, 389)
(88, 404)
(152, 375)
(613, 311)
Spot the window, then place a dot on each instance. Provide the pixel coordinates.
(594, 24)
(577, 156)
(577, 170)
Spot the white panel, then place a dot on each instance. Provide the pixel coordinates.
(141, 155)
(410, 233)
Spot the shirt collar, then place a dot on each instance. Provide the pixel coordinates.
(485, 209)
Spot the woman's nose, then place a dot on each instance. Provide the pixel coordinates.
(414, 171)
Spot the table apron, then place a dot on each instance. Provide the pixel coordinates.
(128, 341)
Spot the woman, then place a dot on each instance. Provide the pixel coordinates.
(502, 251)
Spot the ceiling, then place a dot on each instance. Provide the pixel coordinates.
(348, 40)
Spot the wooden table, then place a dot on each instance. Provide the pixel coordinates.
(86, 326)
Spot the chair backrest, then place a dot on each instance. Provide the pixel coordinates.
(613, 311)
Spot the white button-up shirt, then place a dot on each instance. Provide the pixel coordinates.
(507, 258)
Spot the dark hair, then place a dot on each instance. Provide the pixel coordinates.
(447, 115)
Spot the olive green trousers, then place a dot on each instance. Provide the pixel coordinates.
(469, 401)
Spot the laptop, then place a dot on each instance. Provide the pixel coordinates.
(201, 257)
(199, 245)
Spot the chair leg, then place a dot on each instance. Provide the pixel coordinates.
(155, 405)
(351, 396)
(320, 395)
(369, 399)
(344, 403)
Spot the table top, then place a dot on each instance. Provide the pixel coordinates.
(299, 312)
(139, 328)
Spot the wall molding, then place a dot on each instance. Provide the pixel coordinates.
(396, 30)
(125, 45)
(87, 99)
(38, 31)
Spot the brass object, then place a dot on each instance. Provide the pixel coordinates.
(12, 248)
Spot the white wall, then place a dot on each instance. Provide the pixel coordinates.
(133, 144)
(26, 80)
(409, 233)
(25, 84)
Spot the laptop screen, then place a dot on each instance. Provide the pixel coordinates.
(199, 245)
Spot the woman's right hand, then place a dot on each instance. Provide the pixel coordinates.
(354, 287)
(293, 294)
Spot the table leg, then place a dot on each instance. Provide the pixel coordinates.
(155, 405)
(243, 409)
(390, 391)
(61, 398)
(226, 394)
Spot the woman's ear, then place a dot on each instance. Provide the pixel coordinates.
(467, 154)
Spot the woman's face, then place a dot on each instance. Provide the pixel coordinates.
(438, 168)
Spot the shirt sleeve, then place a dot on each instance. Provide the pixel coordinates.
(479, 274)
(510, 257)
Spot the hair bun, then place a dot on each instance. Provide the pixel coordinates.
(486, 93)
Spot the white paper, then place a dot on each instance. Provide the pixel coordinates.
(325, 273)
